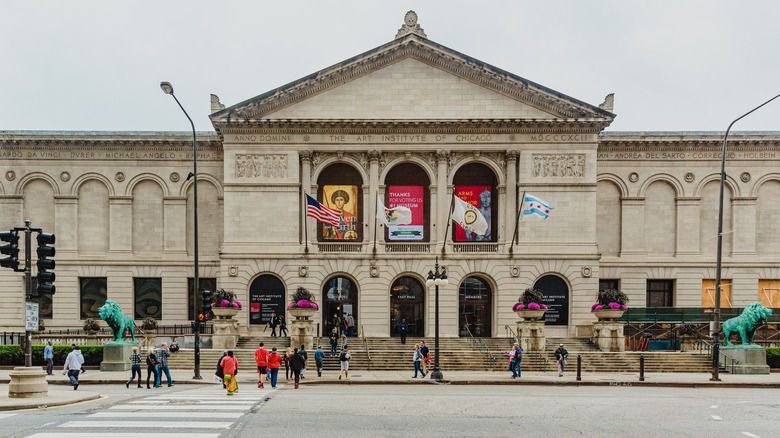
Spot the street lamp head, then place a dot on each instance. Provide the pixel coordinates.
(166, 87)
(429, 281)
(443, 277)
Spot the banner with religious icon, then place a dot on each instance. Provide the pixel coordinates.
(344, 199)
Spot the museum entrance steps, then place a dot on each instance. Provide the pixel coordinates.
(253, 342)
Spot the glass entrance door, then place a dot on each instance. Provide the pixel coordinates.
(339, 298)
(475, 307)
(407, 302)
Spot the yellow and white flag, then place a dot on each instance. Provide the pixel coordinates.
(468, 217)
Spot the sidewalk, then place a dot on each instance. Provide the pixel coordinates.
(687, 380)
(57, 397)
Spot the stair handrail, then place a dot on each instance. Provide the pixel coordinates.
(536, 353)
(483, 348)
(365, 345)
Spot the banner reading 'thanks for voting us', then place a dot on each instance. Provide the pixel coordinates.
(410, 197)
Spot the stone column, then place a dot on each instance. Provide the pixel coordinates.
(744, 237)
(442, 198)
(305, 157)
(121, 213)
(510, 215)
(632, 218)
(373, 188)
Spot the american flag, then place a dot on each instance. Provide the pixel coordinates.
(321, 213)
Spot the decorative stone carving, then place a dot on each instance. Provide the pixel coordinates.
(266, 166)
(303, 271)
(442, 154)
(514, 271)
(512, 155)
(410, 26)
(10, 175)
(374, 270)
(120, 176)
(374, 155)
(65, 176)
(498, 157)
(233, 271)
(559, 165)
(216, 105)
(175, 177)
(586, 272)
(306, 137)
(745, 177)
(633, 177)
(305, 155)
(360, 157)
(689, 177)
(609, 102)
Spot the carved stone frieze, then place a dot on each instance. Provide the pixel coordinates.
(268, 166)
(498, 157)
(559, 165)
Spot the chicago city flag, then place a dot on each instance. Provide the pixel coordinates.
(399, 215)
(533, 206)
(468, 217)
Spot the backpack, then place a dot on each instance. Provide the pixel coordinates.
(343, 356)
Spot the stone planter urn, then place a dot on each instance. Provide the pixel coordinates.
(530, 314)
(302, 313)
(608, 314)
(302, 327)
(225, 312)
(687, 343)
(530, 329)
(225, 335)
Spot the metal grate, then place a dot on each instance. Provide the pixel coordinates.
(475, 247)
(407, 247)
(340, 247)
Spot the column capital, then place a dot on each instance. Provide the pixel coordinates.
(306, 155)
(512, 155)
(442, 154)
(374, 155)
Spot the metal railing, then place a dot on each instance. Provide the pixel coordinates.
(483, 348)
(12, 338)
(727, 362)
(475, 247)
(365, 345)
(162, 330)
(529, 351)
(340, 247)
(407, 247)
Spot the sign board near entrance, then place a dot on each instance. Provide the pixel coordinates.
(265, 299)
(31, 317)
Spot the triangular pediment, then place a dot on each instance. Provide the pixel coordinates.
(411, 78)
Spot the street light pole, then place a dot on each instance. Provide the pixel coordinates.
(168, 89)
(716, 313)
(437, 279)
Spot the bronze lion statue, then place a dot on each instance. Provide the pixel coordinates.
(753, 317)
(112, 314)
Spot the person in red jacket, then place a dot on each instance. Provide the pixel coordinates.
(230, 368)
(274, 360)
(260, 357)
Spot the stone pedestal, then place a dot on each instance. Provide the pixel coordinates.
(28, 382)
(531, 335)
(302, 328)
(744, 359)
(116, 357)
(608, 336)
(225, 335)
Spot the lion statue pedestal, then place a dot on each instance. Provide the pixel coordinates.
(116, 354)
(748, 357)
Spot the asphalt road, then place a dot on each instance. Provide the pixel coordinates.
(196, 411)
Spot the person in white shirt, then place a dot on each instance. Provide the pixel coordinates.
(73, 364)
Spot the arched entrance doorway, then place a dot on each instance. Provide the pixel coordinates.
(266, 296)
(339, 297)
(474, 307)
(556, 297)
(407, 301)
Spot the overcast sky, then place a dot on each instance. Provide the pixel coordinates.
(96, 65)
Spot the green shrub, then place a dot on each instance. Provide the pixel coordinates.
(773, 357)
(13, 354)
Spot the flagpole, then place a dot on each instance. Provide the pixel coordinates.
(305, 225)
(449, 219)
(376, 212)
(517, 222)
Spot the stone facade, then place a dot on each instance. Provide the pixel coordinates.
(630, 207)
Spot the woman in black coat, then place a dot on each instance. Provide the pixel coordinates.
(296, 365)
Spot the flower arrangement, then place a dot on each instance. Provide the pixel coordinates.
(530, 299)
(91, 325)
(610, 299)
(303, 299)
(223, 298)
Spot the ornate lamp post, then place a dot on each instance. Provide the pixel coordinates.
(438, 279)
(168, 89)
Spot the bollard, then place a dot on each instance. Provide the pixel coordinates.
(579, 367)
(642, 367)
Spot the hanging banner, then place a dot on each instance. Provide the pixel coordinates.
(343, 199)
(481, 198)
(411, 197)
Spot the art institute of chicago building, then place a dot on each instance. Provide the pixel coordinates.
(409, 122)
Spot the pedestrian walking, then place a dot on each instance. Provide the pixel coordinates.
(344, 361)
(403, 329)
(273, 364)
(220, 372)
(343, 341)
(174, 346)
(273, 322)
(305, 355)
(417, 359)
(286, 358)
(297, 363)
(515, 358)
(151, 367)
(48, 356)
(350, 325)
(135, 366)
(73, 364)
(319, 356)
(425, 352)
(282, 326)
(336, 321)
(334, 340)
(261, 355)
(230, 368)
(162, 365)
(560, 355)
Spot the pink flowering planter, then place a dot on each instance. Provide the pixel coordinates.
(302, 313)
(530, 314)
(225, 312)
(608, 313)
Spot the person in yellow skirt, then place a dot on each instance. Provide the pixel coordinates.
(230, 368)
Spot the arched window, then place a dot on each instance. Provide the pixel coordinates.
(407, 302)
(266, 296)
(339, 298)
(475, 307)
(556, 297)
(476, 184)
(407, 185)
(340, 187)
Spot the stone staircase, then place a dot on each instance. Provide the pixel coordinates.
(459, 354)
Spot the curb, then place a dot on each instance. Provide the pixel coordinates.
(42, 402)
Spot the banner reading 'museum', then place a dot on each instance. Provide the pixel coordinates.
(410, 197)
(480, 197)
(343, 199)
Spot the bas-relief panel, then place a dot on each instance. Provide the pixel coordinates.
(261, 166)
(559, 165)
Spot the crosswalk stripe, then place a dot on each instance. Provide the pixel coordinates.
(119, 435)
(163, 401)
(161, 425)
(158, 414)
(187, 407)
(6, 415)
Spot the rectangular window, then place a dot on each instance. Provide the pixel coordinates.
(769, 293)
(708, 293)
(660, 293)
(148, 297)
(45, 305)
(607, 283)
(209, 284)
(93, 295)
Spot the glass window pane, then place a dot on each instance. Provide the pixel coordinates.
(93, 296)
(148, 298)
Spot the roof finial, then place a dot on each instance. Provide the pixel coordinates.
(410, 26)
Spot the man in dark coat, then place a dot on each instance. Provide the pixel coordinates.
(403, 329)
(297, 363)
(273, 322)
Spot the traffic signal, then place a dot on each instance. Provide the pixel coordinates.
(45, 278)
(206, 298)
(11, 249)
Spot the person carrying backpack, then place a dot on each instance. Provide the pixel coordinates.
(319, 356)
(344, 360)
